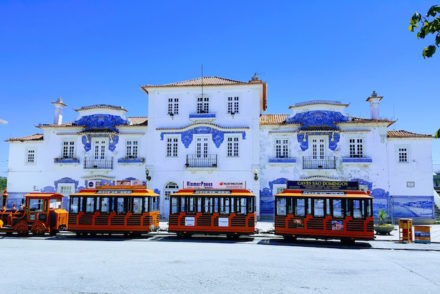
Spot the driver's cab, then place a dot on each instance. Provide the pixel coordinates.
(39, 205)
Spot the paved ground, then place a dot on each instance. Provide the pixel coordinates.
(163, 264)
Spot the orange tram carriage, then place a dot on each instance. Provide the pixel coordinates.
(230, 212)
(130, 210)
(346, 215)
(41, 213)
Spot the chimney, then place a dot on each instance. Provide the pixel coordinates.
(59, 106)
(374, 100)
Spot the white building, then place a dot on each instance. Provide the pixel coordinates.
(211, 132)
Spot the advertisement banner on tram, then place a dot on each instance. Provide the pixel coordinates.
(215, 185)
(323, 185)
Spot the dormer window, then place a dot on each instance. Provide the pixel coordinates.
(233, 105)
(173, 106)
(203, 105)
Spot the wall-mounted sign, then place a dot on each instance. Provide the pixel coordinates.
(215, 185)
(223, 222)
(189, 221)
(323, 185)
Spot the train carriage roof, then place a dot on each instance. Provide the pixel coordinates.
(117, 191)
(43, 195)
(212, 192)
(313, 194)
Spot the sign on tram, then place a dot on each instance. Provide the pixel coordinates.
(223, 222)
(189, 221)
(215, 185)
(323, 185)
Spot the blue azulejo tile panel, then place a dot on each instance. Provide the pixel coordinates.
(282, 160)
(202, 115)
(66, 160)
(357, 160)
(131, 160)
(412, 207)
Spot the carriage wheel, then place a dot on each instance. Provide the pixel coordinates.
(38, 228)
(22, 228)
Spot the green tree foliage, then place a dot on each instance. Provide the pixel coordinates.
(437, 134)
(2, 184)
(427, 25)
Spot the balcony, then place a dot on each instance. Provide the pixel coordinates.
(194, 161)
(66, 160)
(326, 162)
(92, 163)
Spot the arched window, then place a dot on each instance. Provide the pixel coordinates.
(170, 188)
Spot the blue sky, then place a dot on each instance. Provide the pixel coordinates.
(101, 52)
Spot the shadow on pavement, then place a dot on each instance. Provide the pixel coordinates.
(316, 244)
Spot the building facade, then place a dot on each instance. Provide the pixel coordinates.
(212, 132)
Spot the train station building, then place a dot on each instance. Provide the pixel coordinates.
(213, 133)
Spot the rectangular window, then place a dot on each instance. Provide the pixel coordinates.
(300, 207)
(281, 206)
(105, 205)
(146, 204)
(357, 209)
(74, 207)
(203, 105)
(337, 208)
(282, 148)
(68, 149)
(30, 158)
(173, 106)
(356, 148)
(131, 149)
(191, 204)
(403, 155)
(318, 207)
(90, 205)
(137, 205)
(233, 105)
(172, 147)
(233, 146)
(120, 207)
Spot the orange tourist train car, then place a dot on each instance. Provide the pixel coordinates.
(114, 209)
(230, 212)
(42, 213)
(345, 215)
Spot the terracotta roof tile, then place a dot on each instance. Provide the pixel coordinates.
(207, 81)
(406, 134)
(34, 137)
(138, 121)
(361, 120)
(273, 119)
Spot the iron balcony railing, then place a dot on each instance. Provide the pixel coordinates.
(194, 160)
(325, 162)
(92, 163)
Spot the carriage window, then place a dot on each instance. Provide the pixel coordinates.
(224, 205)
(55, 203)
(281, 206)
(250, 204)
(216, 204)
(137, 205)
(348, 207)
(74, 205)
(182, 204)
(318, 207)
(243, 205)
(300, 207)
(36, 205)
(90, 205)
(327, 207)
(290, 202)
(120, 205)
(208, 205)
(191, 204)
(105, 205)
(337, 208)
(309, 206)
(368, 207)
(357, 213)
(199, 204)
(155, 204)
(146, 203)
(174, 206)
